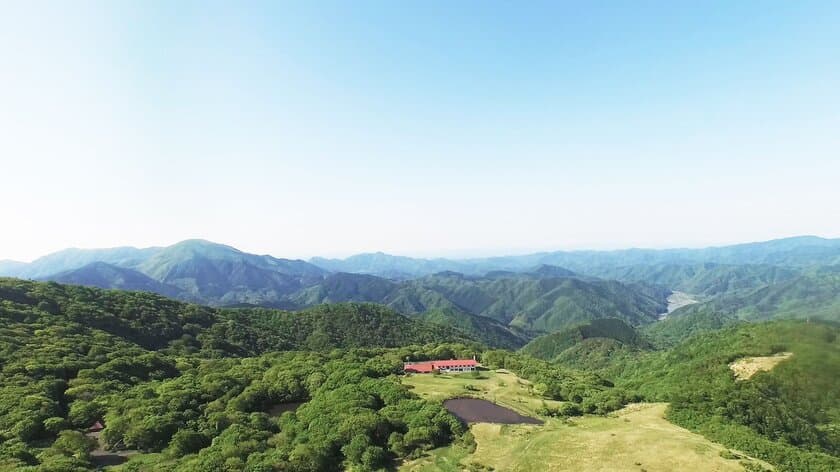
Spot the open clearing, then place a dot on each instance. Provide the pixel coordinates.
(500, 387)
(749, 366)
(636, 438)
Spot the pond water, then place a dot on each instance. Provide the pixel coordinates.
(473, 410)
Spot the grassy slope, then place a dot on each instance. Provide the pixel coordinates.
(634, 435)
(767, 414)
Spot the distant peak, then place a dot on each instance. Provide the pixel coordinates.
(201, 244)
(552, 270)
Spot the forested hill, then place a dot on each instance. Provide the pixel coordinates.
(788, 416)
(534, 303)
(190, 388)
(815, 296)
(609, 330)
(222, 275)
(154, 322)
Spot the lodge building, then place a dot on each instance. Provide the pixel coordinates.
(453, 365)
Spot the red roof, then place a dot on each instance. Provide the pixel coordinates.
(428, 366)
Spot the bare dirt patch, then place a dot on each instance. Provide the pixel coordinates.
(749, 366)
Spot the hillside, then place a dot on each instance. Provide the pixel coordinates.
(544, 299)
(706, 279)
(546, 304)
(683, 324)
(192, 270)
(538, 292)
(186, 380)
(71, 259)
(550, 346)
(783, 416)
(344, 287)
(155, 322)
(487, 330)
(104, 275)
(814, 296)
(795, 252)
(224, 275)
(183, 387)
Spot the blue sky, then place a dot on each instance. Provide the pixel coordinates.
(425, 128)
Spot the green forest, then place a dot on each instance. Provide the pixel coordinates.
(182, 387)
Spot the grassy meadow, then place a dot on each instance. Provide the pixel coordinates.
(636, 438)
(500, 387)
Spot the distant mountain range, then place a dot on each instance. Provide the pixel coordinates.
(508, 300)
(800, 251)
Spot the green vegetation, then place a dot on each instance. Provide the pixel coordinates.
(154, 322)
(631, 439)
(684, 324)
(168, 380)
(533, 303)
(705, 279)
(191, 388)
(814, 296)
(785, 416)
(486, 330)
(186, 387)
(502, 387)
(550, 346)
(193, 270)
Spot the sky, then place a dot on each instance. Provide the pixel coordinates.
(420, 128)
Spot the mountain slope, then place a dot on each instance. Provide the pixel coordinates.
(546, 304)
(784, 416)
(683, 324)
(221, 275)
(815, 296)
(155, 322)
(103, 275)
(550, 346)
(486, 330)
(706, 279)
(800, 251)
(344, 287)
(70, 259)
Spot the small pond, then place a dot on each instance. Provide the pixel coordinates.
(473, 410)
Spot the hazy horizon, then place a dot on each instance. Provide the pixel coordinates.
(470, 129)
(452, 254)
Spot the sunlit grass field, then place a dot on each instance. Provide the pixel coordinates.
(501, 387)
(637, 438)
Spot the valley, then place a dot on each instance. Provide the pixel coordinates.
(495, 236)
(197, 355)
(677, 300)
